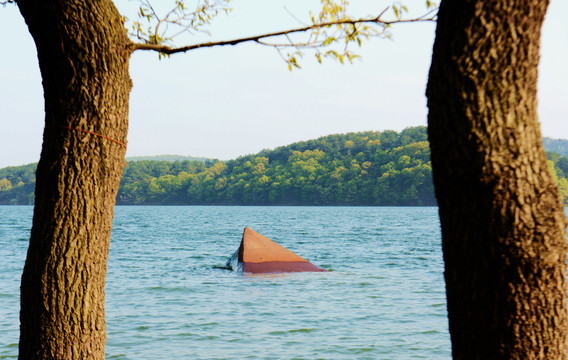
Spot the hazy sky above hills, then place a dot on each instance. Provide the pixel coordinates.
(231, 101)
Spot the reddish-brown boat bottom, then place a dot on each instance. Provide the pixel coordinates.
(280, 266)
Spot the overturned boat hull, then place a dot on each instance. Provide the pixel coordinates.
(259, 254)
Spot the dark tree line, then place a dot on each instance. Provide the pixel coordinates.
(367, 168)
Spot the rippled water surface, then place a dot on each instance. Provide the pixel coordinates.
(166, 299)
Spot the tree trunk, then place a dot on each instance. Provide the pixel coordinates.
(83, 53)
(503, 225)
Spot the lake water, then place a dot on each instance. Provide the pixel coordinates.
(165, 298)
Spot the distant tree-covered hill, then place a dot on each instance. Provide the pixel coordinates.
(366, 168)
(559, 146)
(369, 168)
(166, 158)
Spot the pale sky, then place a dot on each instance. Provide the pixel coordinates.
(232, 101)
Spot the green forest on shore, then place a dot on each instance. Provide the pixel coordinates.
(366, 168)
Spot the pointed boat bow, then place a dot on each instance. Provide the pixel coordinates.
(259, 254)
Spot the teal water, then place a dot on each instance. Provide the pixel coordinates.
(165, 299)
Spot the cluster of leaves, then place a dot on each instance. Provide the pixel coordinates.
(368, 168)
(153, 26)
(332, 32)
(322, 36)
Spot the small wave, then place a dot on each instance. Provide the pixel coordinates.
(293, 331)
(361, 350)
(207, 337)
(116, 356)
(301, 330)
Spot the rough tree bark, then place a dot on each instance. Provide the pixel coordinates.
(83, 52)
(503, 226)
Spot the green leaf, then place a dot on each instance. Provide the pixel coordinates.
(396, 12)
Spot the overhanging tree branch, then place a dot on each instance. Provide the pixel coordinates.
(165, 49)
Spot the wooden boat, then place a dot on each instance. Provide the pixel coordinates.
(259, 254)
